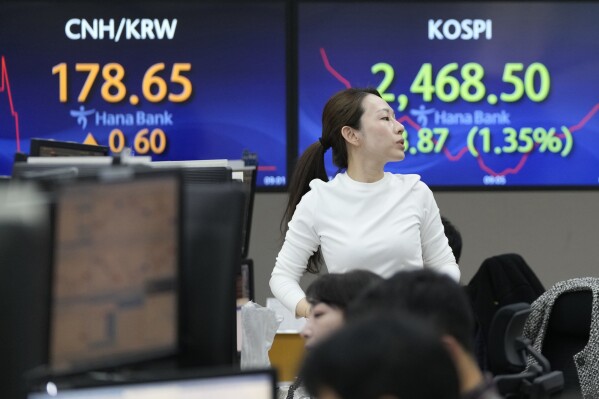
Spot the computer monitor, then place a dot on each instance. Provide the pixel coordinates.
(114, 285)
(97, 220)
(237, 218)
(55, 148)
(24, 266)
(233, 384)
(213, 216)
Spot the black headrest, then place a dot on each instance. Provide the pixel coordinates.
(506, 326)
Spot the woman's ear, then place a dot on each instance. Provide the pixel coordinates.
(350, 135)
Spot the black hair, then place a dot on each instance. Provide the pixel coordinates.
(453, 237)
(339, 289)
(380, 356)
(429, 295)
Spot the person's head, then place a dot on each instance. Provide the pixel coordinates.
(453, 237)
(426, 294)
(438, 301)
(329, 295)
(350, 117)
(382, 357)
(343, 110)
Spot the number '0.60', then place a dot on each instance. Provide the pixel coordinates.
(144, 142)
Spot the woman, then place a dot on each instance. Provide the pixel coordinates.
(364, 215)
(329, 295)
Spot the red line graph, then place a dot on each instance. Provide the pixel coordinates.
(5, 86)
(332, 70)
(584, 120)
(454, 158)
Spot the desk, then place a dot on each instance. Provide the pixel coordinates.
(286, 355)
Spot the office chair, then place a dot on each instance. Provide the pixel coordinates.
(508, 352)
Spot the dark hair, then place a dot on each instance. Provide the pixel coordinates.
(382, 356)
(342, 109)
(429, 295)
(453, 237)
(339, 289)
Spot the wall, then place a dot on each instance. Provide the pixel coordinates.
(555, 232)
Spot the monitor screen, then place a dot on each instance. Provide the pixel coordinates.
(258, 384)
(492, 94)
(175, 80)
(114, 289)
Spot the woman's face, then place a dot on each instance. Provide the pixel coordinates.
(380, 133)
(323, 320)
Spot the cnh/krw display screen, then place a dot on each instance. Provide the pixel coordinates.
(173, 80)
(491, 93)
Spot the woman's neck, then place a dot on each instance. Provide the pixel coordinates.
(364, 174)
(364, 169)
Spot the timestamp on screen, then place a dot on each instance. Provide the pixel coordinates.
(274, 180)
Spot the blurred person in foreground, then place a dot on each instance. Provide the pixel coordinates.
(442, 304)
(381, 357)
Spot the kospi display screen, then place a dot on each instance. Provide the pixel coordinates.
(173, 80)
(491, 93)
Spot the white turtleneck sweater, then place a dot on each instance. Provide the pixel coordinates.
(386, 226)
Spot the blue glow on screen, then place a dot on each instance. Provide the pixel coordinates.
(543, 131)
(236, 54)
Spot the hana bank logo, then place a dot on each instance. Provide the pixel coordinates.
(81, 114)
(422, 114)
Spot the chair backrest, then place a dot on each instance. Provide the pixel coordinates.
(507, 325)
(568, 332)
(507, 356)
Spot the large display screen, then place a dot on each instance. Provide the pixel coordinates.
(491, 93)
(173, 80)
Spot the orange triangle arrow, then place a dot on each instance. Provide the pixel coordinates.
(90, 140)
